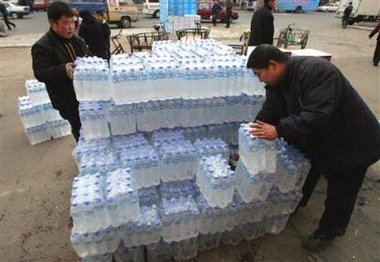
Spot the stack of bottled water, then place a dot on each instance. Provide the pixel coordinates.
(173, 114)
(145, 164)
(36, 92)
(39, 119)
(178, 161)
(94, 120)
(91, 79)
(265, 163)
(292, 168)
(177, 14)
(144, 232)
(212, 146)
(180, 218)
(258, 155)
(216, 181)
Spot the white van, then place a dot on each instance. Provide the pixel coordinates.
(152, 7)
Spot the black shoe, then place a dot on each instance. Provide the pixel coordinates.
(313, 243)
(227, 27)
(375, 64)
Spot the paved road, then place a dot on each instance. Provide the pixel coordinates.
(37, 22)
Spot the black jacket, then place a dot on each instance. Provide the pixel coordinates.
(94, 35)
(262, 28)
(50, 55)
(316, 108)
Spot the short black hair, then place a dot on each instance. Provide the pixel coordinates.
(262, 54)
(100, 12)
(58, 9)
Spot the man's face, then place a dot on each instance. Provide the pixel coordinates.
(271, 75)
(272, 4)
(64, 27)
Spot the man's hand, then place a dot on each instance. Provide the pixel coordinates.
(70, 68)
(263, 130)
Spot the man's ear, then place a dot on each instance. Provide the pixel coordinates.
(273, 64)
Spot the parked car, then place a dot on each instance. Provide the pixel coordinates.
(329, 7)
(15, 10)
(204, 11)
(250, 5)
(40, 5)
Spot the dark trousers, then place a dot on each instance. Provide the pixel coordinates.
(7, 22)
(376, 55)
(342, 191)
(228, 18)
(74, 120)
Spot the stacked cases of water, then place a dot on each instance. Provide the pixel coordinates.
(38, 117)
(182, 11)
(108, 206)
(138, 188)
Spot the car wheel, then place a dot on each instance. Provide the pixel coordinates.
(299, 9)
(20, 16)
(156, 14)
(125, 22)
(13, 15)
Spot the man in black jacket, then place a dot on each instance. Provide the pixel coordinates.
(312, 105)
(262, 27)
(53, 57)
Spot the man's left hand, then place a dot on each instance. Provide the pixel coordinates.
(263, 130)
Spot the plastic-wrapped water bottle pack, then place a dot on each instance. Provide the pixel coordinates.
(40, 120)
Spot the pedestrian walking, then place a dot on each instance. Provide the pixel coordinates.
(4, 13)
(311, 104)
(53, 57)
(215, 10)
(262, 25)
(376, 55)
(229, 6)
(346, 15)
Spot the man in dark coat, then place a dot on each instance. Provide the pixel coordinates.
(4, 13)
(229, 6)
(312, 105)
(216, 8)
(53, 57)
(376, 55)
(93, 34)
(346, 15)
(262, 27)
(101, 17)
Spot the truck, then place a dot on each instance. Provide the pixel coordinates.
(298, 6)
(363, 10)
(119, 12)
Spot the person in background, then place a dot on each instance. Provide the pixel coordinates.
(4, 13)
(312, 105)
(53, 57)
(216, 8)
(376, 55)
(102, 18)
(346, 15)
(92, 33)
(229, 6)
(77, 21)
(262, 27)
